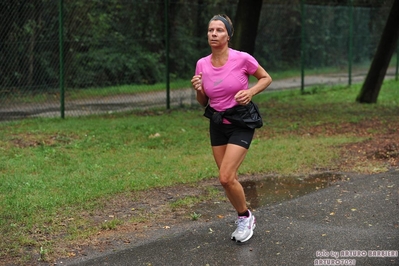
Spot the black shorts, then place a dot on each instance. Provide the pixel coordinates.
(222, 134)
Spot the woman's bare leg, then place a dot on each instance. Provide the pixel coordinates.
(228, 159)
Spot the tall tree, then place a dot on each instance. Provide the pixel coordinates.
(375, 77)
(246, 25)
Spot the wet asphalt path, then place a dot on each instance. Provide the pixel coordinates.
(359, 215)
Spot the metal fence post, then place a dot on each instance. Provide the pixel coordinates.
(61, 44)
(167, 53)
(302, 46)
(397, 61)
(350, 52)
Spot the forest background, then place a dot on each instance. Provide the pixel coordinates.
(114, 44)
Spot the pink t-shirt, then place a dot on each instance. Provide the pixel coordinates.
(221, 84)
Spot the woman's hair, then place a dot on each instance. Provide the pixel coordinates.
(226, 21)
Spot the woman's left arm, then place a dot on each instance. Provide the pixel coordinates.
(264, 80)
(243, 97)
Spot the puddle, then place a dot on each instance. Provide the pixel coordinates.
(279, 189)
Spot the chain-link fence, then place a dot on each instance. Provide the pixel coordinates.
(118, 55)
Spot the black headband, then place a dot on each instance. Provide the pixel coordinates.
(225, 22)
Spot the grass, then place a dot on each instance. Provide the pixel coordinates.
(88, 93)
(190, 201)
(126, 89)
(52, 170)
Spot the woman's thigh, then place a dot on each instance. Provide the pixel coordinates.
(233, 157)
(228, 159)
(229, 145)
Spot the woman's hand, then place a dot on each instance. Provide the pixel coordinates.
(196, 81)
(243, 97)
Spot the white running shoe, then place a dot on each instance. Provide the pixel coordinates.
(245, 228)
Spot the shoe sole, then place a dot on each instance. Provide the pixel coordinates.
(250, 235)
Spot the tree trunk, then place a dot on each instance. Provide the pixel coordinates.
(246, 25)
(386, 48)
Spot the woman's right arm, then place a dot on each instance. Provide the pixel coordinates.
(196, 81)
(202, 98)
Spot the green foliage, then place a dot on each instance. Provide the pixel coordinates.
(111, 225)
(195, 216)
(120, 42)
(43, 254)
(326, 34)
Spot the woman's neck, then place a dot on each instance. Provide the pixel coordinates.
(220, 56)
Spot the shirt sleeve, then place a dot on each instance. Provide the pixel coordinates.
(251, 63)
(199, 66)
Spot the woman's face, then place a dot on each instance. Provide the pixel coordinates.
(217, 34)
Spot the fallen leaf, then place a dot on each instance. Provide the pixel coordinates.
(156, 135)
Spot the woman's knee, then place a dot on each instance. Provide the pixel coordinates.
(227, 180)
